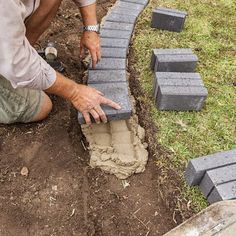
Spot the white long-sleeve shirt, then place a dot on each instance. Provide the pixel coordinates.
(19, 61)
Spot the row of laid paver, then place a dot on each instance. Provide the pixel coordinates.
(215, 174)
(110, 75)
(176, 86)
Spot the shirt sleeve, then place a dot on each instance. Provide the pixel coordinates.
(19, 61)
(84, 3)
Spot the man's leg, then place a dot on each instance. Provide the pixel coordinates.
(36, 24)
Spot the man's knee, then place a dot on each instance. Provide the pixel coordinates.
(44, 110)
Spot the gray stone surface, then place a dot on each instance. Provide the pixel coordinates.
(115, 17)
(106, 76)
(168, 19)
(111, 64)
(216, 177)
(115, 43)
(114, 52)
(177, 98)
(118, 26)
(168, 51)
(176, 63)
(126, 11)
(119, 34)
(171, 10)
(197, 167)
(142, 2)
(130, 6)
(118, 92)
(176, 79)
(226, 191)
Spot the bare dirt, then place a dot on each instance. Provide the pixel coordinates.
(62, 195)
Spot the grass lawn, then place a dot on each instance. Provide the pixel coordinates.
(210, 32)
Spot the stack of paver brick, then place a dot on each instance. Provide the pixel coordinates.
(110, 74)
(176, 86)
(215, 174)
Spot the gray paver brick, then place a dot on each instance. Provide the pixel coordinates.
(222, 192)
(106, 76)
(142, 2)
(114, 52)
(176, 63)
(114, 17)
(175, 79)
(216, 177)
(126, 11)
(119, 34)
(177, 98)
(171, 20)
(118, 92)
(111, 64)
(115, 43)
(131, 6)
(168, 51)
(118, 26)
(197, 167)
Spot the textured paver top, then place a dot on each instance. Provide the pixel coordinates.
(111, 64)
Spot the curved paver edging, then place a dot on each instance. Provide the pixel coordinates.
(110, 75)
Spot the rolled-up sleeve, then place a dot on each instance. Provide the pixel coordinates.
(84, 3)
(19, 61)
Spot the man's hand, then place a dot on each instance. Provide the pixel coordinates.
(88, 100)
(91, 41)
(85, 99)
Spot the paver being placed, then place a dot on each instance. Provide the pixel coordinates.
(117, 92)
(119, 34)
(114, 52)
(131, 6)
(176, 63)
(111, 64)
(178, 98)
(168, 51)
(115, 43)
(197, 167)
(114, 17)
(168, 19)
(142, 2)
(176, 79)
(118, 26)
(126, 11)
(106, 76)
(216, 177)
(226, 191)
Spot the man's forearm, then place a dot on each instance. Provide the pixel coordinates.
(89, 14)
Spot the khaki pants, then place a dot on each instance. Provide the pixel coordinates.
(18, 105)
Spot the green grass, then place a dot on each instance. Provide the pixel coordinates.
(210, 32)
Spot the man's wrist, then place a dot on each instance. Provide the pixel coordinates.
(92, 28)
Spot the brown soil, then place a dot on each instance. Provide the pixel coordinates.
(62, 195)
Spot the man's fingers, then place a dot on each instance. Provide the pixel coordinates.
(95, 116)
(110, 103)
(101, 113)
(99, 56)
(94, 58)
(87, 118)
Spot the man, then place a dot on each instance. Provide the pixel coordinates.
(25, 76)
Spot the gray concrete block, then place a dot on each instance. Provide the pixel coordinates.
(114, 52)
(130, 6)
(126, 11)
(111, 64)
(168, 19)
(168, 51)
(115, 43)
(142, 2)
(106, 76)
(226, 191)
(216, 177)
(176, 79)
(176, 63)
(177, 98)
(118, 92)
(119, 34)
(118, 26)
(197, 167)
(115, 17)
